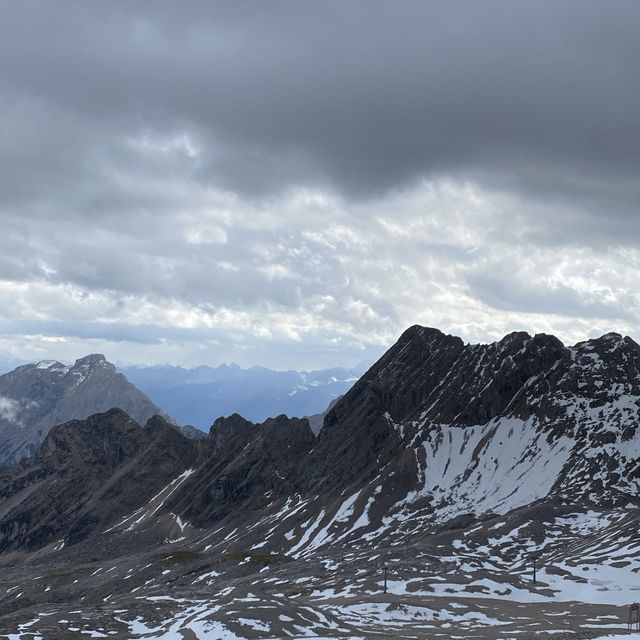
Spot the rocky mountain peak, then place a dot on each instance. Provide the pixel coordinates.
(245, 462)
(230, 423)
(36, 397)
(101, 433)
(233, 433)
(93, 363)
(607, 342)
(91, 360)
(428, 378)
(420, 336)
(515, 337)
(548, 340)
(48, 365)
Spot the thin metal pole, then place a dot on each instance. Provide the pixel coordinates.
(534, 569)
(385, 579)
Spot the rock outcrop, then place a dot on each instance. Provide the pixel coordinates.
(86, 475)
(247, 466)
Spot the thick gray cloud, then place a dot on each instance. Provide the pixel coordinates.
(319, 173)
(364, 95)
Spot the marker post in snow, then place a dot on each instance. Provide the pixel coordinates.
(534, 557)
(385, 578)
(634, 617)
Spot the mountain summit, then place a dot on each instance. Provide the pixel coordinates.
(477, 428)
(35, 397)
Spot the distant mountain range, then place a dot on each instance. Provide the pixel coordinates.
(198, 396)
(8, 362)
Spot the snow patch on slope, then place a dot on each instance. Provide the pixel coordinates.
(498, 466)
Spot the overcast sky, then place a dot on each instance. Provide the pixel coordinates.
(292, 184)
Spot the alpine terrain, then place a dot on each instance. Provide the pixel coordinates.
(35, 397)
(436, 484)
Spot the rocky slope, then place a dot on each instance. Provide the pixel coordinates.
(244, 463)
(449, 417)
(85, 475)
(35, 397)
(450, 464)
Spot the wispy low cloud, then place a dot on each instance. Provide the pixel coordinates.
(9, 409)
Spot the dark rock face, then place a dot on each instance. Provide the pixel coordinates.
(429, 379)
(35, 397)
(85, 475)
(484, 382)
(356, 434)
(247, 467)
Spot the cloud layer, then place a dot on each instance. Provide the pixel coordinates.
(293, 184)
